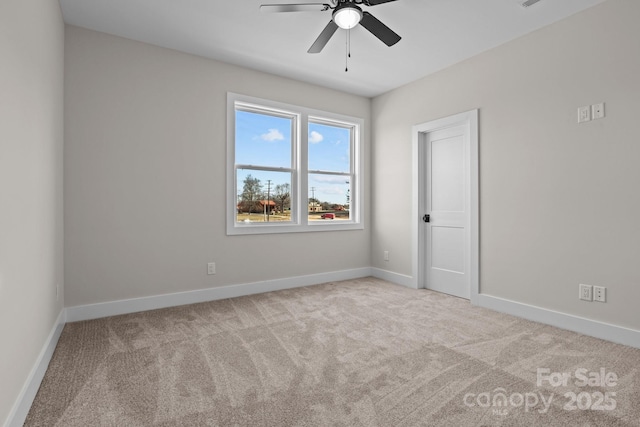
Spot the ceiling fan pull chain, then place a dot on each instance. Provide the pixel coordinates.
(347, 52)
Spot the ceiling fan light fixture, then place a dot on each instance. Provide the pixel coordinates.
(347, 16)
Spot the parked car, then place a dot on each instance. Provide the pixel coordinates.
(328, 216)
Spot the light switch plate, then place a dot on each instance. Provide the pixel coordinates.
(586, 292)
(597, 111)
(584, 114)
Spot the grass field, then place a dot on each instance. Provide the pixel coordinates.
(254, 217)
(315, 216)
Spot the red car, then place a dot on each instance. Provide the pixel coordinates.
(328, 216)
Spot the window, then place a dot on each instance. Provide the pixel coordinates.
(291, 169)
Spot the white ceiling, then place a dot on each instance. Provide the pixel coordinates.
(435, 34)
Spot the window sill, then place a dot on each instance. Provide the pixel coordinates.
(319, 226)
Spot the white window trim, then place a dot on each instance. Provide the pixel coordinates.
(299, 179)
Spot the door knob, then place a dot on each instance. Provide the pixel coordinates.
(426, 218)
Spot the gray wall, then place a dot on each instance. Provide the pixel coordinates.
(145, 145)
(559, 201)
(31, 139)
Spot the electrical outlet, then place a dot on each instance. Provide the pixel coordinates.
(600, 293)
(586, 292)
(211, 268)
(386, 255)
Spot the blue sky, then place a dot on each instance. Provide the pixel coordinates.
(264, 140)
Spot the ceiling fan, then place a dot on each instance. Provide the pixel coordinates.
(346, 14)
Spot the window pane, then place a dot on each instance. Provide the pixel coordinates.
(329, 197)
(329, 148)
(263, 140)
(263, 196)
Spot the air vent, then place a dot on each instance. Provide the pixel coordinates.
(528, 3)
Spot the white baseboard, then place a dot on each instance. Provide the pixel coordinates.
(20, 409)
(390, 276)
(114, 308)
(593, 328)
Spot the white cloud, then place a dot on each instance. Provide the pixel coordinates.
(315, 137)
(272, 135)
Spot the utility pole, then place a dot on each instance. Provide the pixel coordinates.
(348, 195)
(268, 199)
(313, 197)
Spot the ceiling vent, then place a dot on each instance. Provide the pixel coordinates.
(528, 3)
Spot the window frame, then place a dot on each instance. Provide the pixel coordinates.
(299, 167)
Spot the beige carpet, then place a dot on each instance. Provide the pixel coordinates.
(355, 353)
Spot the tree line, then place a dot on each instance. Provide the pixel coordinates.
(253, 194)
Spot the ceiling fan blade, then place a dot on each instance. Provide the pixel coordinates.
(323, 38)
(378, 29)
(304, 7)
(376, 2)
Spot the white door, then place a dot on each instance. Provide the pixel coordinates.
(447, 211)
(446, 254)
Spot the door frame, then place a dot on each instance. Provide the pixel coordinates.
(419, 132)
